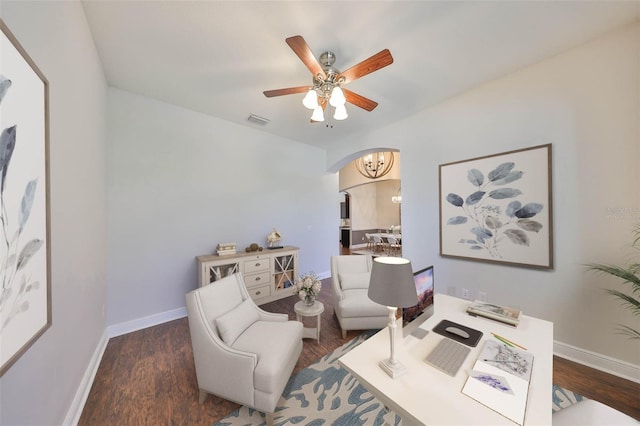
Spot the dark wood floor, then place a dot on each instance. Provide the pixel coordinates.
(147, 377)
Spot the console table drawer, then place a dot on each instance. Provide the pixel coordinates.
(255, 265)
(257, 279)
(257, 293)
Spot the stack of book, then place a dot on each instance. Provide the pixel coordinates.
(226, 249)
(503, 314)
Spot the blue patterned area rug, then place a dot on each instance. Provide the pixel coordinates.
(325, 394)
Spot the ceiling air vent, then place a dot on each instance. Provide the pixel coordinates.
(257, 119)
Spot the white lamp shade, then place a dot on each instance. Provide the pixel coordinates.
(317, 115)
(310, 99)
(337, 97)
(340, 113)
(392, 282)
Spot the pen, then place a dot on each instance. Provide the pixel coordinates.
(501, 362)
(507, 341)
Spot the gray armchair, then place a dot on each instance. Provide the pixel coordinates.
(241, 353)
(350, 276)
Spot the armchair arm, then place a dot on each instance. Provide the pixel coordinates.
(335, 280)
(270, 316)
(220, 369)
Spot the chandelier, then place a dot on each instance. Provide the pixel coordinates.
(326, 90)
(375, 165)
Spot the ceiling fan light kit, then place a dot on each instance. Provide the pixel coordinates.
(327, 81)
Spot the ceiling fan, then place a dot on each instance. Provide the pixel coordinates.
(328, 81)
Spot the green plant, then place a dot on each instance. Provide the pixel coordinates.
(630, 275)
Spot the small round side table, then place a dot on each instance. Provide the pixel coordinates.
(303, 310)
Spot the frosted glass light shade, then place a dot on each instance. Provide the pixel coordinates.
(337, 97)
(310, 99)
(317, 115)
(340, 113)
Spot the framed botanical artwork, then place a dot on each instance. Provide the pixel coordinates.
(498, 208)
(25, 262)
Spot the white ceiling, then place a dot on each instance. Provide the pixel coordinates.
(217, 57)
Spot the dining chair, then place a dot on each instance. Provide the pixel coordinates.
(369, 239)
(377, 243)
(393, 245)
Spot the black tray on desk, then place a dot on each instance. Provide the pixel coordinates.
(474, 335)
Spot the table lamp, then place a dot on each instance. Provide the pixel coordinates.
(392, 285)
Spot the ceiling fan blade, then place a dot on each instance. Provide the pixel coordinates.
(358, 100)
(300, 47)
(374, 63)
(287, 91)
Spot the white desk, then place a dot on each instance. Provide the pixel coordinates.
(426, 396)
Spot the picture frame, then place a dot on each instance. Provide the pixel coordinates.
(25, 253)
(498, 208)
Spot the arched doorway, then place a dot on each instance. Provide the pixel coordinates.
(373, 206)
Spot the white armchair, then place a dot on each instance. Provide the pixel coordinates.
(350, 276)
(241, 353)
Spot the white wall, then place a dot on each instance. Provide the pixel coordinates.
(39, 388)
(371, 206)
(586, 102)
(181, 182)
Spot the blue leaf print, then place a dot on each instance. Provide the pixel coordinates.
(5, 83)
(501, 171)
(500, 194)
(476, 177)
(27, 202)
(481, 233)
(457, 220)
(529, 210)
(7, 144)
(510, 177)
(455, 199)
(512, 208)
(475, 197)
(28, 251)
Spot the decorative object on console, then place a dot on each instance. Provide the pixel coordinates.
(25, 296)
(307, 287)
(224, 249)
(375, 165)
(503, 314)
(392, 285)
(506, 216)
(327, 81)
(253, 247)
(274, 238)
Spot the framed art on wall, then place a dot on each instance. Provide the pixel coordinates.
(498, 208)
(25, 277)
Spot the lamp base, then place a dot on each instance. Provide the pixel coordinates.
(394, 370)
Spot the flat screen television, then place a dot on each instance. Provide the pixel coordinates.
(423, 280)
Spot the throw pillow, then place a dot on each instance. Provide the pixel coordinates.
(236, 321)
(355, 280)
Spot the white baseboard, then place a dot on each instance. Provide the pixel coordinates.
(77, 405)
(324, 275)
(145, 322)
(598, 361)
